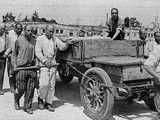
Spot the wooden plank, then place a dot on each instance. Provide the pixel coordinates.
(95, 47)
(118, 60)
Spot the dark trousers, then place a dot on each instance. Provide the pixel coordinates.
(11, 76)
(2, 69)
(25, 85)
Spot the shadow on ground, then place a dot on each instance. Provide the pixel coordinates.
(65, 93)
(69, 93)
(132, 111)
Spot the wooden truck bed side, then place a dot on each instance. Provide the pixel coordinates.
(122, 68)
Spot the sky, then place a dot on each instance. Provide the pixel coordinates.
(86, 12)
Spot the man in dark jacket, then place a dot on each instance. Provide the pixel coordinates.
(24, 56)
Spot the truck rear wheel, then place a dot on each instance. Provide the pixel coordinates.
(64, 73)
(96, 95)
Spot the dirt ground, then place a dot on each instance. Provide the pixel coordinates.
(68, 106)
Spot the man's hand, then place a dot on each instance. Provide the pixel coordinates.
(48, 64)
(157, 81)
(14, 68)
(5, 56)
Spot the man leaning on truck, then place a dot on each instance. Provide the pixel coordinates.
(152, 64)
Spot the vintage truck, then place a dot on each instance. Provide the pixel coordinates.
(108, 70)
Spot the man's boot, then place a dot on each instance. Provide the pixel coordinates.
(28, 110)
(1, 92)
(16, 102)
(40, 103)
(49, 107)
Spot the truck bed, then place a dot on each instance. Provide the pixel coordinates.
(122, 68)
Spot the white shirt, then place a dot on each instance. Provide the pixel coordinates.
(46, 48)
(2, 44)
(150, 46)
(12, 38)
(154, 59)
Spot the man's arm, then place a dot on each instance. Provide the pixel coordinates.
(151, 64)
(119, 28)
(8, 50)
(61, 45)
(116, 34)
(151, 71)
(38, 51)
(15, 54)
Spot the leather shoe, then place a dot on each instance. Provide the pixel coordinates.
(16, 102)
(17, 107)
(40, 104)
(1, 92)
(49, 107)
(29, 111)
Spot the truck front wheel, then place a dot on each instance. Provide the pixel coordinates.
(96, 95)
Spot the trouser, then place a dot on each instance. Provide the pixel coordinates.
(25, 85)
(2, 69)
(10, 73)
(47, 84)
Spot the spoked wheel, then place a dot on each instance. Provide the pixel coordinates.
(97, 99)
(64, 73)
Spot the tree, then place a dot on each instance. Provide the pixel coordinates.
(35, 17)
(8, 17)
(53, 21)
(25, 19)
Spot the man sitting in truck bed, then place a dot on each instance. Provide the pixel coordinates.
(115, 26)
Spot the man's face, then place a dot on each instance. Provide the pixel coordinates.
(49, 32)
(18, 29)
(28, 31)
(114, 14)
(157, 37)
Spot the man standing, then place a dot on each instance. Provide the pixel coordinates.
(12, 37)
(115, 26)
(24, 56)
(152, 63)
(3, 55)
(46, 47)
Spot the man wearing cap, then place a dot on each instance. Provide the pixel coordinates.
(46, 47)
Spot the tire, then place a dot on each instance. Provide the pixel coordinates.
(97, 100)
(154, 102)
(64, 74)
